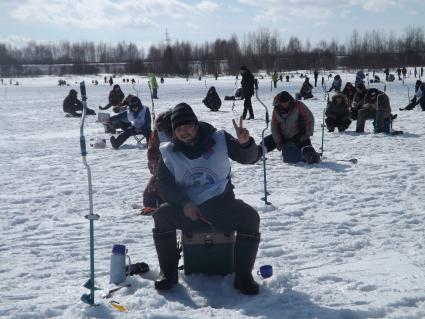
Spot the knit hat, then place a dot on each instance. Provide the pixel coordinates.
(282, 97)
(134, 102)
(163, 122)
(372, 94)
(244, 68)
(182, 114)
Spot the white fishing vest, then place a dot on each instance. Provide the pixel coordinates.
(201, 178)
(139, 120)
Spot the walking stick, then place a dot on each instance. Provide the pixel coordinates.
(89, 284)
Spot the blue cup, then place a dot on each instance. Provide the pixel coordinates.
(265, 271)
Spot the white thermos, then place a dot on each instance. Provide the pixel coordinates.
(117, 272)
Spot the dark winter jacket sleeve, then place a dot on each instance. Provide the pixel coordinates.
(79, 104)
(111, 97)
(168, 188)
(244, 154)
(148, 120)
(66, 104)
(248, 84)
(329, 112)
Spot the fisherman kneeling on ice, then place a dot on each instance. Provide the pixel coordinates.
(212, 100)
(73, 107)
(377, 107)
(194, 180)
(292, 125)
(337, 113)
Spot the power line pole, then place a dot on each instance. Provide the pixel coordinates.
(167, 37)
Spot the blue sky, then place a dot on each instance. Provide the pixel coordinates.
(144, 21)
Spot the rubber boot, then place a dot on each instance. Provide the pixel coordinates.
(344, 125)
(245, 253)
(166, 249)
(91, 112)
(116, 142)
(309, 155)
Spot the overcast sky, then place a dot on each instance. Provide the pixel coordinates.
(144, 21)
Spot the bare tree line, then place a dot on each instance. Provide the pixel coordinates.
(262, 49)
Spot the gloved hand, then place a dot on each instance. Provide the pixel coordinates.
(146, 211)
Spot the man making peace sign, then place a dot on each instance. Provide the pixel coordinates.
(194, 181)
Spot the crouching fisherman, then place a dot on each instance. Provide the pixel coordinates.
(116, 97)
(292, 126)
(306, 91)
(337, 113)
(72, 104)
(194, 180)
(212, 100)
(377, 107)
(135, 121)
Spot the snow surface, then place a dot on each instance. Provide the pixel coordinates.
(345, 241)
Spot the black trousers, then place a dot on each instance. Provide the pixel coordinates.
(413, 103)
(131, 130)
(225, 212)
(247, 107)
(341, 124)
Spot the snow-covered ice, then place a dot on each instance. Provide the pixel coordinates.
(345, 241)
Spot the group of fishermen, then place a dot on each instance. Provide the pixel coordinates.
(190, 163)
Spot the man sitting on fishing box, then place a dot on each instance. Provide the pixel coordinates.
(194, 180)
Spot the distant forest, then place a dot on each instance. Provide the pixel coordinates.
(259, 50)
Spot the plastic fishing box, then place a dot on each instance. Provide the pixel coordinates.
(208, 252)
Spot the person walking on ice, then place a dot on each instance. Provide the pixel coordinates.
(154, 85)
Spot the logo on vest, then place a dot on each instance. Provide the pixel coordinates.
(197, 179)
